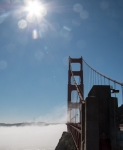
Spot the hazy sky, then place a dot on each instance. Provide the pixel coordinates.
(34, 52)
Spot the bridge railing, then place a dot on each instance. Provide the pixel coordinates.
(120, 138)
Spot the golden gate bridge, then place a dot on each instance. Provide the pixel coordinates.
(94, 121)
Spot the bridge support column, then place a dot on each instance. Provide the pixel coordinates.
(91, 124)
(113, 122)
(101, 119)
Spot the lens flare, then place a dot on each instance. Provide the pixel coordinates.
(35, 34)
(36, 8)
(22, 24)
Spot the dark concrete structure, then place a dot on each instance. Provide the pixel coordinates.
(91, 124)
(120, 140)
(101, 124)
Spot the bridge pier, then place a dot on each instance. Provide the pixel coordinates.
(100, 119)
(91, 124)
(113, 122)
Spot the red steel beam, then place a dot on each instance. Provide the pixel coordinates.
(75, 131)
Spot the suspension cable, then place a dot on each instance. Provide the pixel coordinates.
(103, 75)
(80, 93)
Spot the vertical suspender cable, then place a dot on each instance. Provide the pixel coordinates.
(115, 88)
(122, 94)
(95, 77)
(101, 79)
(98, 79)
(91, 79)
(108, 81)
(76, 112)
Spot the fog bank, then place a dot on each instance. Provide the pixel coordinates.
(31, 137)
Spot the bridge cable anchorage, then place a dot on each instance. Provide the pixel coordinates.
(103, 75)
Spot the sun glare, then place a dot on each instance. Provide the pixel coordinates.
(35, 8)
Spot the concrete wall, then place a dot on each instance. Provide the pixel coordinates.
(101, 126)
(91, 124)
(113, 122)
(120, 139)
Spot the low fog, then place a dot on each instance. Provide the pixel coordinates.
(31, 137)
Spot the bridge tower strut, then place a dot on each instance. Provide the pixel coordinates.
(72, 87)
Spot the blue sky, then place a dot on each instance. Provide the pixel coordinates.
(33, 53)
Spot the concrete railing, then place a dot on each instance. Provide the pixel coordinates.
(120, 138)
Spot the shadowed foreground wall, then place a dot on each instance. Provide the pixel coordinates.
(66, 142)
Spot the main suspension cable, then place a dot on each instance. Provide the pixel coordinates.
(103, 75)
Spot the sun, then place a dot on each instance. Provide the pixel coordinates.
(35, 8)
